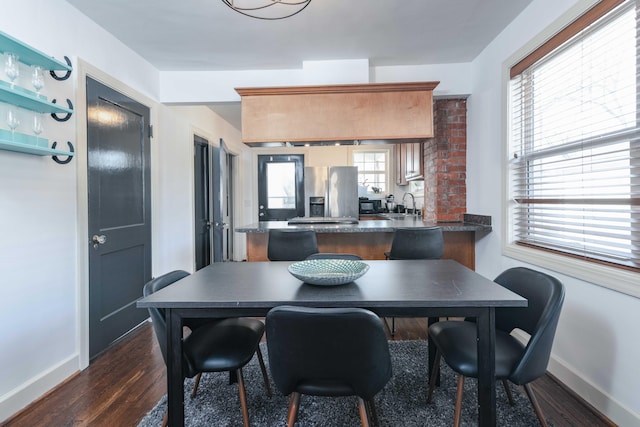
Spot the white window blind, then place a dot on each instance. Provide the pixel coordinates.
(575, 144)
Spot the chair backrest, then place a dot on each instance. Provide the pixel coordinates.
(291, 245)
(158, 318)
(328, 344)
(545, 295)
(417, 243)
(329, 255)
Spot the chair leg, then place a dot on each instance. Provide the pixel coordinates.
(196, 384)
(243, 398)
(371, 412)
(264, 372)
(536, 406)
(435, 371)
(507, 390)
(458, 410)
(392, 328)
(294, 404)
(362, 408)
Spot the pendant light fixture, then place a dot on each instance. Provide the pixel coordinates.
(267, 9)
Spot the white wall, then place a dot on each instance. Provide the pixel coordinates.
(38, 210)
(41, 261)
(175, 230)
(218, 86)
(596, 347)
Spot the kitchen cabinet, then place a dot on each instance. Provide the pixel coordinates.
(414, 162)
(409, 162)
(385, 111)
(400, 154)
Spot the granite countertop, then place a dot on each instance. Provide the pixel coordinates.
(386, 224)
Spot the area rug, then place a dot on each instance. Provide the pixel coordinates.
(401, 403)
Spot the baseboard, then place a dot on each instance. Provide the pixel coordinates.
(21, 396)
(601, 401)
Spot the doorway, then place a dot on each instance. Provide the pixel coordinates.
(224, 226)
(119, 212)
(280, 187)
(202, 201)
(213, 202)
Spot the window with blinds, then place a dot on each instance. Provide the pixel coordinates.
(574, 140)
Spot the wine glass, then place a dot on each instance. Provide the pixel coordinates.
(11, 67)
(37, 78)
(12, 121)
(37, 125)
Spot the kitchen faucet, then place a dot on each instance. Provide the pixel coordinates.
(413, 202)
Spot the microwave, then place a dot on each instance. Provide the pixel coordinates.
(370, 206)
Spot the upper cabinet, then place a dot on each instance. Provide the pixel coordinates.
(409, 162)
(393, 111)
(414, 162)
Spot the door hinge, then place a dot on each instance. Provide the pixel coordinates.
(150, 131)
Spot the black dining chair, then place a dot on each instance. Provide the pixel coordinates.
(415, 243)
(291, 245)
(216, 345)
(456, 341)
(331, 255)
(328, 352)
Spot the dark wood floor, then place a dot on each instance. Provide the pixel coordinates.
(126, 381)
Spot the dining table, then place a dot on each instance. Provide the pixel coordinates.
(395, 288)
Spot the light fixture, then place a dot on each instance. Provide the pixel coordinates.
(267, 9)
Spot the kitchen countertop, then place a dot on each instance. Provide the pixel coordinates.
(386, 223)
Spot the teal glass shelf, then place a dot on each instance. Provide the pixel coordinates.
(28, 100)
(30, 56)
(21, 143)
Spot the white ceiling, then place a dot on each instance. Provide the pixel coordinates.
(206, 35)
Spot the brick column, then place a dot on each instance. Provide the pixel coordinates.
(445, 162)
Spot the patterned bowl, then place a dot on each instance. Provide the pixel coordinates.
(328, 272)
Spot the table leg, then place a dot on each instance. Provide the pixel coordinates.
(431, 348)
(486, 367)
(175, 379)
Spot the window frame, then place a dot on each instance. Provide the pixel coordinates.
(614, 278)
(387, 172)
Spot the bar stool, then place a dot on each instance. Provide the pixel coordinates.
(291, 245)
(415, 243)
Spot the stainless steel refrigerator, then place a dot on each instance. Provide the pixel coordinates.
(331, 192)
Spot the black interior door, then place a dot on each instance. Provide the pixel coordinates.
(119, 194)
(280, 187)
(202, 205)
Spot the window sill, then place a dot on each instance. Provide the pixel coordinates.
(619, 280)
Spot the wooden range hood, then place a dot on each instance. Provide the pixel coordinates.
(377, 111)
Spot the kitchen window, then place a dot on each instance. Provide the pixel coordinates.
(373, 167)
(574, 141)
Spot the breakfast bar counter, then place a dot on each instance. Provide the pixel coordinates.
(371, 238)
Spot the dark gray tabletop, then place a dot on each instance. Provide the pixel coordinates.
(388, 287)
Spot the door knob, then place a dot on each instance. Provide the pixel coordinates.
(98, 240)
